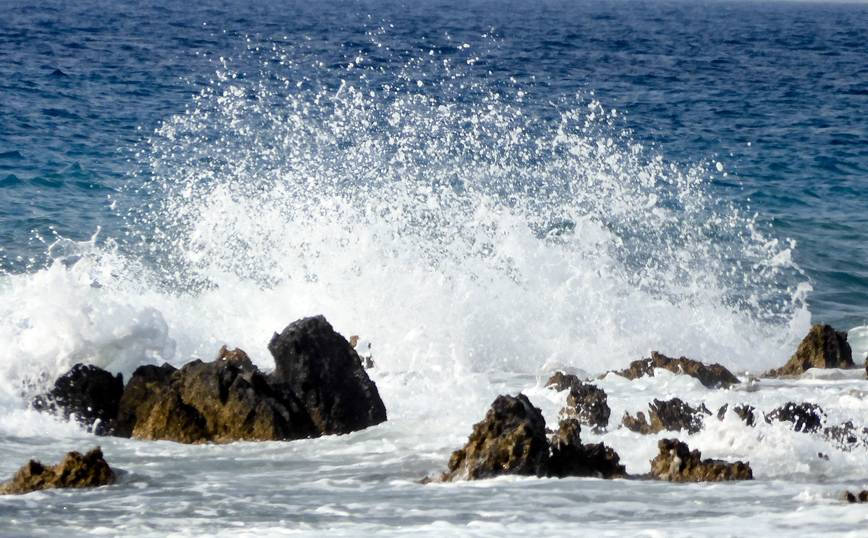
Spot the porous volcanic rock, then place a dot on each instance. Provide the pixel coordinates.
(511, 439)
(711, 376)
(822, 347)
(89, 393)
(806, 417)
(585, 401)
(75, 471)
(677, 463)
(569, 457)
(321, 367)
(671, 415)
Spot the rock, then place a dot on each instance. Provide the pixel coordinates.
(861, 498)
(671, 415)
(744, 412)
(806, 417)
(511, 439)
(226, 400)
(823, 347)
(569, 457)
(677, 463)
(585, 401)
(325, 372)
(75, 471)
(89, 393)
(711, 376)
(846, 437)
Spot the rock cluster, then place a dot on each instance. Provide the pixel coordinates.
(823, 347)
(75, 471)
(860, 498)
(744, 412)
(806, 417)
(677, 463)
(511, 439)
(711, 376)
(587, 402)
(671, 415)
(319, 387)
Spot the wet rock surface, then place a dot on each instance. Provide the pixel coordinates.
(860, 497)
(511, 439)
(670, 415)
(75, 471)
(822, 347)
(230, 399)
(325, 372)
(745, 412)
(89, 393)
(569, 457)
(711, 376)
(846, 436)
(585, 401)
(805, 417)
(677, 463)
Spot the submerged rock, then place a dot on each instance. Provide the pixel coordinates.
(75, 471)
(711, 376)
(823, 347)
(677, 463)
(846, 437)
(569, 457)
(806, 417)
(744, 412)
(585, 401)
(860, 498)
(88, 393)
(321, 367)
(511, 439)
(671, 415)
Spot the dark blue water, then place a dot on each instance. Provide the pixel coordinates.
(777, 92)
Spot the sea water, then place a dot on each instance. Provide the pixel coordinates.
(484, 192)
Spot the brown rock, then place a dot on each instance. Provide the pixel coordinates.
(585, 401)
(846, 437)
(671, 415)
(711, 376)
(569, 457)
(677, 463)
(321, 367)
(75, 471)
(89, 393)
(823, 347)
(511, 439)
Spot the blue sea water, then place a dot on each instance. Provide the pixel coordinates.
(478, 188)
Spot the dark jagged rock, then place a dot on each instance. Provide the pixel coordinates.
(861, 498)
(846, 437)
(325, 372)
(806, 417)
(823, 347)
(511, 439)
(75, 471)
(569, 457)
(677, 463)
(744, 412)
(585, 401)
(711, 376)
(226, 400)
(88, 393)
(671, 415)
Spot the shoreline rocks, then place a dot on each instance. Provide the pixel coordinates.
(319, 387)
(670, 415)
(585, 401)
(75, 471)
(677, 463)
(822, 347)
(711, 376)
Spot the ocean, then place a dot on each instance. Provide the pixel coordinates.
(485, 192)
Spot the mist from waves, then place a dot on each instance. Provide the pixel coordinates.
(459, 224)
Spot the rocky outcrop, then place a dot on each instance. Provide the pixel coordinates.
(325, 372)
(860, 498)
(823, 347)
(587, 402)
(711, 376)
(806, 417)
(846, 436)
(677, 463)
(511, 439)
(319, 387)
(88, 393)
(671, 415)
(569, 457)
(744, 412)
(75, 471)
